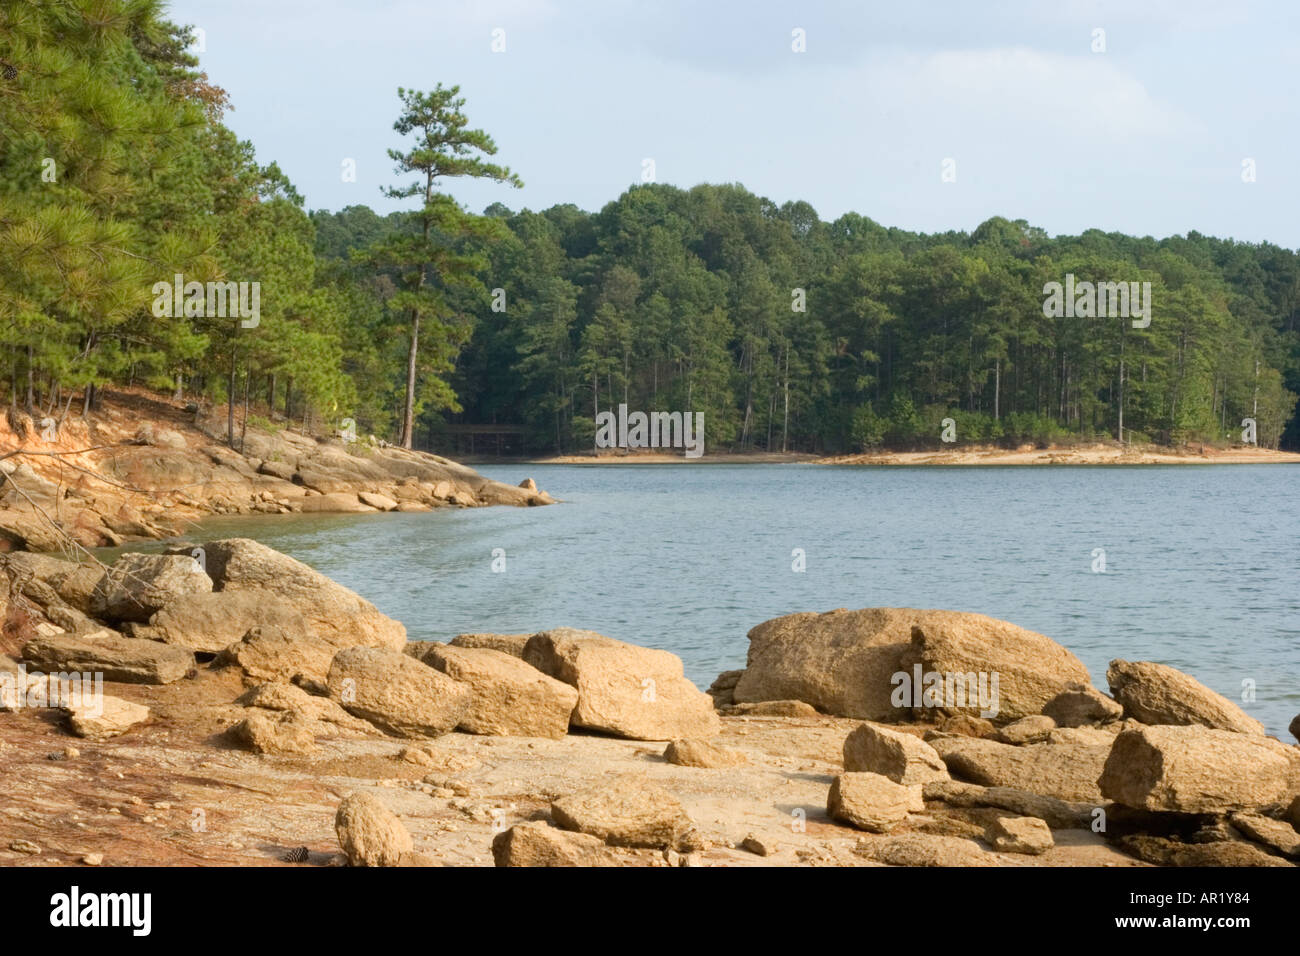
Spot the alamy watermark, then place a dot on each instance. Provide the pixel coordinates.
(74, 690)
(1100, 300)
(653, 430)
(214, 300)
(922, 688)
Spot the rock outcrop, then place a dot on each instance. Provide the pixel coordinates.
(508, 697)
(397, 693)
(1195, 769)
(1159, 694)
(629, 691)
(871, 802)
(903, 758)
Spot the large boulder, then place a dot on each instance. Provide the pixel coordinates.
(137, 585)
(397, 693)
(1066, 771)
(369, 833)
(629, 691)
(509, 698)
(1024, 670)
(871, 802)
(537, 843)
(841, 662)
(1158, 694)
(337, 616)
(871, 663)
(274, 654)
(1195, 769)
(126, 659)
(627, 812)
(209, 623)
(903, 758)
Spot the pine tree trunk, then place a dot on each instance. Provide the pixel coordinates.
(408, 416)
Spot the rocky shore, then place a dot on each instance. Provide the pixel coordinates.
(143, 467)
(254, 712)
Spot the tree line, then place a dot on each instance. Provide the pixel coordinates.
(788, 332)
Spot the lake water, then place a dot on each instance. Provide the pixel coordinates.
(1201, 562)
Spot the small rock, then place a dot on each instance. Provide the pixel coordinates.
(902, 757)
(1081, 705)
(872, 802)
(757, 846)
(25, 846)
(700, 753)
(269, 735)
(1028, 835)
(369, 833)
(1027, 730)
(93, 859)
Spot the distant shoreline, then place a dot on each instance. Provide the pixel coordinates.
(1097, 454)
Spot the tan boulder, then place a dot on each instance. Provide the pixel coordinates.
(1061, 814)
(1027, 730)
(539, 844)
(105, 717)
(841, 662)
(137, 585)
(1158, 694)
(1065, 771)
(701, 753)
(397, 693)
(369, 833)
(871, 802)
(128, 660)
(377, 501)
(335, 502)
(512, 644)
(926, 849)
(209, 623)
(1195, 769)
(629, 691)
(1278, 834)
(1030, 669)
(903, 758)
(291, 699)
(627, 812)
(1082, 705)
(337, 616)
(264, 734)
(274, 654)
(1028, 835)
(967, 726)
(509, 698)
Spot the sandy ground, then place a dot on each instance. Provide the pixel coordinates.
(1099, 454)
(174, 792)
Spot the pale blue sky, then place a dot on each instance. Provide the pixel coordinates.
(1146, 138)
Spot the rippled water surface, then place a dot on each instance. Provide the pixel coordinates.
(1201, 562)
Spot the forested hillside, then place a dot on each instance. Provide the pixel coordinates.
(788, 332)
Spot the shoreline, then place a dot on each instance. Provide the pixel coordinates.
(261, 708)
(974, 455)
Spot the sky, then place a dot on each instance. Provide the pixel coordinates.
(928, 116)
